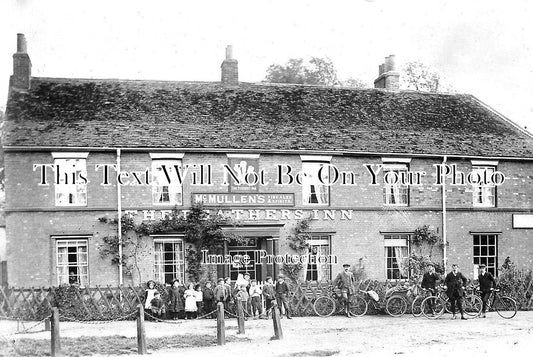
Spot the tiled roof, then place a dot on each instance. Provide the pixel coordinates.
(117, 113)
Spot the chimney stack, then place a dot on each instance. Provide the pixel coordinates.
(388, 77)
(230, 68)
(21, 65)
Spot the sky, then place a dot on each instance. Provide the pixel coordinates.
(483, 48)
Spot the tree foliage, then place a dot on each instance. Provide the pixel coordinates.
(420, 77)
(298, 71)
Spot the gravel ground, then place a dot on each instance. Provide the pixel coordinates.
(337, 336)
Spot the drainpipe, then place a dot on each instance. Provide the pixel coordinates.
(444, 238)
(119, 211)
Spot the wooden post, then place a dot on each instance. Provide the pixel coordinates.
(240, 317)
(221, 328)
(55, 343)
(278, 332)
(47, 324)
(141, 336)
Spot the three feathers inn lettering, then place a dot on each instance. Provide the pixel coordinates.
(238, 177)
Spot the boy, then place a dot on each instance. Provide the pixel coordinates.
(220, 292)
(208, 298)
(269, 293)
(255, 294)
(282, 292)
(242, 297)
(157, 306)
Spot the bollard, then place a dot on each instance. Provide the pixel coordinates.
(47, 324)
(141, 336)
(278, 332)
(240, 317)
(221, 328)
(55, 343)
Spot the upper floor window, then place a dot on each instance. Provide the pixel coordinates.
(315, 190)
(394, 192)
(166, 186)
(71, 179)
(483, 195)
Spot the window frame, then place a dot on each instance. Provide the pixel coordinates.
(178, 192)
(169, 239)
(69, 239)
(484, 259)
(320, 161)
(399, 242)
(68, 189)
(477, 189)
(396, 167)
(318, 239)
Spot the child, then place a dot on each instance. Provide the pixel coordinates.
(242, 297)
(199, 295)
(255, 295)
(149, 294)
(229, 296)
(190, 302)
(208, 299)
(269, 293)
(220, 291)
(157, 305)
(177, 303)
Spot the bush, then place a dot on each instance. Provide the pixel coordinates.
(514, 283)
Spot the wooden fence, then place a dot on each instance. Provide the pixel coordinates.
(105, 303)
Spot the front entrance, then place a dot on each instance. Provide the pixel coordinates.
(248, 246)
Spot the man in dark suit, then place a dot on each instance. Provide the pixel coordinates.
(429, 282)
(486, 285)
(345, 280)
(282, 293)
(455, 283)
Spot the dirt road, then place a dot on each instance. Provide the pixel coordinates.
(336, 336)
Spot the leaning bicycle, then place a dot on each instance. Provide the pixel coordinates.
(332, 302)
(505, 306)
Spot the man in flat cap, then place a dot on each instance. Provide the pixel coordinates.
(487, 283)
(345, 281)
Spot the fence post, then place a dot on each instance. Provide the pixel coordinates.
(221, 328)
(240, 317)
(141, 336)
(55, 343)
(278, 333)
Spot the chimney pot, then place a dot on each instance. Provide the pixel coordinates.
(21, 43)
(229, 52)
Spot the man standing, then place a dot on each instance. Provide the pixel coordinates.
(282, 292)
(455, 282)
(345, 280)
(486, 285)
(429, 282)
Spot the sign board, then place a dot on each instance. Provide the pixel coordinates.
(244, 199)
(522, 220)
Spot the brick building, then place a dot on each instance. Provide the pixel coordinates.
(54, 229)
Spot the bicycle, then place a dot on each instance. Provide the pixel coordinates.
(332, 302)
(505, 306)
(395, 305)
(434, 306)
(416, 304)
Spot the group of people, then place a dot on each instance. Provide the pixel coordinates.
(197, 300)
(455, 283)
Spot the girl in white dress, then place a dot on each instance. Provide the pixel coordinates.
(190, 302)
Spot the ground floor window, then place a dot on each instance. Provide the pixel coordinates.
(486, 251)
(169, 260)
(72, 261)
(315, 270)
(397, 256)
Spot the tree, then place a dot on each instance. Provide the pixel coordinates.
(315, 71)
(354, 83)
(420, 77)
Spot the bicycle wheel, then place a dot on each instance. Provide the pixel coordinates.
(416, 306)
(396, 306)
(505, 307)
(324, 306)
(472, 305)
(432, 307)
(358, 306)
